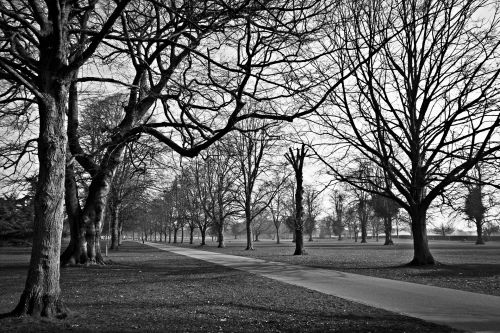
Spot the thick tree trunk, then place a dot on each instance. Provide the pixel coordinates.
(94, 211)
(76, 252)
(310, 237)
(203, 232)
(191, 234)
(299, 242)
(93, 236)
(388, 231)
(220, 236)
(479, 229)
(421, 253)
(42, 294)
(169, 236)
(277, 235)
(175, 235)
(363, 232)
(299, 212)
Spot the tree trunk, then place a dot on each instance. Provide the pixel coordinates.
(310, 237)
(220, 236)
(93, 214)
(182, 234)
(42, 294)
(93, 236)
(120, 231)
(191, 236)
(479, 228)
(299, 243)
(76, 252)
(388, 231)
(363, 231)
(175, 235)
(248, 224)
(203, 232)
(299, 213)
(115, 213)
(277, 235)
(421, 253)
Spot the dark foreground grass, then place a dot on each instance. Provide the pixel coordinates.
(149, 290)
(461, 265)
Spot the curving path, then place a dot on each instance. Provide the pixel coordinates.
(459, 309)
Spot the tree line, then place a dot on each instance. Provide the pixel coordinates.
(401, 96)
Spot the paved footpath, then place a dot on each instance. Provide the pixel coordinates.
(459, 309)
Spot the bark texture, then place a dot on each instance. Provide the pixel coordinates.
(42, 294)
(421, 253)
(388, 231)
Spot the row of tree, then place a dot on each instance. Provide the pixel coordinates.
(410, 86)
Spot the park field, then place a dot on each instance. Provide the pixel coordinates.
(147, 290)
(461, 264)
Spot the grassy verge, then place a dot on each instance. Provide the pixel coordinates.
(150, 290)
(462, 265)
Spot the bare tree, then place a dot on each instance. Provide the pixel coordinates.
(297, 162)
(217, 182)
(312, 210)
(44, 46)
(250, 147)
(444, 228)
(338, 200)
(383, 207)
(352, 221)
(423, 108)
(278, 203)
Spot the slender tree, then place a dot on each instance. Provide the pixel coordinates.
(312, 210)
(277, 205)
(297, 162)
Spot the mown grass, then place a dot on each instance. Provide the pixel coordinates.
(461, 265)
(148, 290)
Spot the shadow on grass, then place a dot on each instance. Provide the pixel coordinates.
(149, 290)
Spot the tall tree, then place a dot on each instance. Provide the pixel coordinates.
(383, 207)
(45, 44)
(217, 180)
(424, 108)
(297, 162)
(277, 205)
(250, 147)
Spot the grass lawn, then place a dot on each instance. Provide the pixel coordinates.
(150, 290)
(461, 265)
